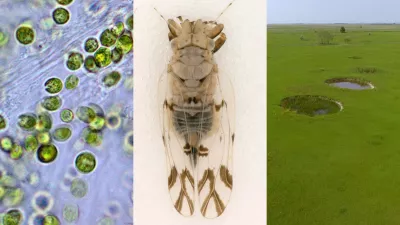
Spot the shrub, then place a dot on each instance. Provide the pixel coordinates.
(325, 37)
(342, 30)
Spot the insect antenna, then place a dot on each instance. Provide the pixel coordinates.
(227, 7)
(160, 15)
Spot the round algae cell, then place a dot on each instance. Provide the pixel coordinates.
(27, 121)
(16, 152)
(62, 133)
(13, 197)
(13, 217)
(85, 162)
(98, 123)
(31, 143)
(25, 35)
(116, 55)
(118, 29)
(51, 220)
(3, 38)
(71, 82)
(125, 43)
(74, 61)
(66, 115)
(43, 138)
(6, 143)
(108, 38)
(51, 103)
(70, 213)
(78, 188)
(92, 137)
(91, 45)
(3, 123)
(129, 22)
(44, 122)
(102, 57)
(61, 16)
(53, 85)
(47, 153)
(111, 79)
(64, 2)
(85, 114)
(90, 64)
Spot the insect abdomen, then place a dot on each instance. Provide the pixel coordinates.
(189, 120)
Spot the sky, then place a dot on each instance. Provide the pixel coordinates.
(333, 11)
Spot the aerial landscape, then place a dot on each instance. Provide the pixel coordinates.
(333, 121)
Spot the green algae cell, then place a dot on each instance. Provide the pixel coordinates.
(3, 38)
(43, 138)
(53, 85)
(27, 121)
(25, 35)
(13, 217)
(85, 114)
(74, 61)
(64, 2)
(13, 196)
(70, 213)
(118, 28)
(66, 115)
(91, 45)
(129, 22)
(108, 38)
(61, 16)
(51, 220)
(44, 122)
(62, 133)
(125, 43)
(31, 143)
(111, 79)
(47, 153)
(92, 137)
(79, 188)
(90, 64)
(3, 123)
(71, 82)
(102, 57)
(16, 152)
(97, 124)
(116, 55)
(85, 162)
(6, 143)
(51, 103)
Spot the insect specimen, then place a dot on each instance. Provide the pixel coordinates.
(197, 116)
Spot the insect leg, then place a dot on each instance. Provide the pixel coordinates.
(219, 42)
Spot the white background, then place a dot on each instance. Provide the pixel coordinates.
(244, 57)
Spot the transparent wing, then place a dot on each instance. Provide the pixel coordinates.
(214, 168)
(181, 183)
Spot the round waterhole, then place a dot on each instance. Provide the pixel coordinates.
(350, 83)
(311, 105)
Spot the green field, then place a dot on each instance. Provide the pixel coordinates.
(341, 168)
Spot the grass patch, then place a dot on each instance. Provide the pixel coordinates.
(310, 105)
(366, 69)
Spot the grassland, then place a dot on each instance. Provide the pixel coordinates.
(343, 168)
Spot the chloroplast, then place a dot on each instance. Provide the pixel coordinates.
(64, 2)
(97, 124)
(78, 188)
(125, 43)
(31, 143)
(118, 28)
(61, 15)
(66, 115)
(108, 38)
(13, 217)
(62, 133)
(85, 162)
(25, 35)
(51, 103)
(85, 114)
(111, 79)
(102, 57)
(74, 61)
(116, 55)
(51, 220)
(71, 82)
(3, 38)
(47, 153)
(44, 122)
(91, 45)
(16, 152)
(90, 64)
(27, 121)
(53, 85)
